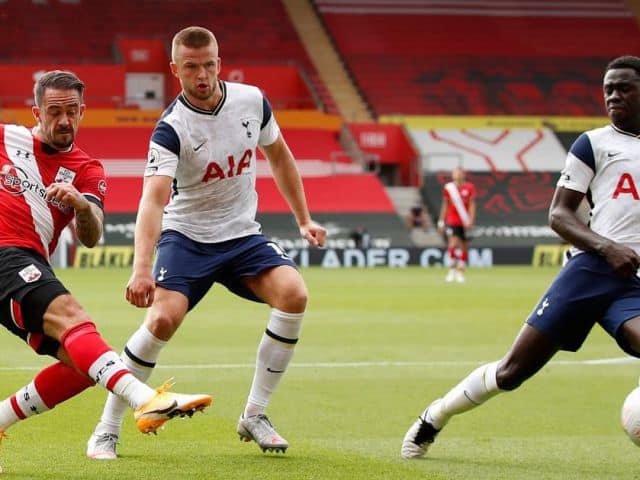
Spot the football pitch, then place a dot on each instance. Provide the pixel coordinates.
(377, 346)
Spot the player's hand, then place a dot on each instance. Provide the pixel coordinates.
(624, 260)
(314, 234)
(141, 289)
(67, 195)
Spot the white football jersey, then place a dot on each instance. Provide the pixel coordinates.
(211, 156)
(605, 164)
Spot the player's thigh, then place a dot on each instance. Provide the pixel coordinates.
(281, 287)
(455, 236)
(167, 313)
(578, 298)
(622, 321)
(12, 318)
(28, 287)
(184, 266)
(62, 313)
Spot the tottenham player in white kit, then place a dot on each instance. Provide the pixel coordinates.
(598, 284)
(203, 156)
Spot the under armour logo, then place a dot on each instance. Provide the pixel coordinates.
(163, 271)
(23, 153)
(246, 125)
(545, 304)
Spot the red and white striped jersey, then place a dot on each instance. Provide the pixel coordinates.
(467, 195)
(27, 219)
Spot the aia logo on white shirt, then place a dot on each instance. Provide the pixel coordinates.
(64, 175)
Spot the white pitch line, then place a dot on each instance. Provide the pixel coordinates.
(433, 363)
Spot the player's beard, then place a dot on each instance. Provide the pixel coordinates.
(61, 140)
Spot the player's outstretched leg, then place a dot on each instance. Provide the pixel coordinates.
(260, 429)
(166, 405)
(474, 390)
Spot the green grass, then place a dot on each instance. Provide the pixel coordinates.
(377, 346)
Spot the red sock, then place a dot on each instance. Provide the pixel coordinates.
(84, 345)
(91, 355)
(452, 256)
(464, 255)
(51, 386)
(59, 382)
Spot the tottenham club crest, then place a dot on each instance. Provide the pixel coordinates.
(152, 162)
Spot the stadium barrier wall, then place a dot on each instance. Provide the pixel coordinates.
(116, 248)
(105, 83)
(121, 256)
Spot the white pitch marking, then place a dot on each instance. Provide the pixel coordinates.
(433, 363)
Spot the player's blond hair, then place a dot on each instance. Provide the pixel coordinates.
(192, 37)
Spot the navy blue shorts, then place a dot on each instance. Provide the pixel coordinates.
(191, 267)
(585, 292)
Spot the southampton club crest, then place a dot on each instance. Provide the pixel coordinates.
(30, 274)
(65, 175)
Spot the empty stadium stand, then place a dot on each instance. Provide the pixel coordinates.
(41, 32)
(474, 57)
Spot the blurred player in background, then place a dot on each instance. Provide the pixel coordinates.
(46, 181)
(202, 155)
(457, 216)
(598, 284)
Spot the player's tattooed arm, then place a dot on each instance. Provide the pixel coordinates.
(89, 217)
(89, 223)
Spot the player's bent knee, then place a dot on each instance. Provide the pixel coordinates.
(509, 376)
(62, 313)
(629, 336)
(162, 324)
(293, 299)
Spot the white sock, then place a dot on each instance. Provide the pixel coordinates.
(140, 356)
(25, 403)
(474, 390)
(274, 354)
(135, 392)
